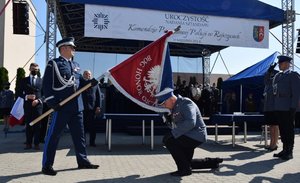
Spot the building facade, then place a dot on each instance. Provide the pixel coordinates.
(17, 36)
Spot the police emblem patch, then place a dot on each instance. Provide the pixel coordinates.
(100, 21)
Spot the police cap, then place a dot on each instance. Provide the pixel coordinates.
(164, 95)
(68, 41)
(283, 58)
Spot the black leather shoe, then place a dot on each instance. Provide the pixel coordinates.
(219, 160)
(270, 149)
(36, 147)
(49, 171)
(181, 173)
(216, 166)
(88, 166)
(287, 156)
(27, 147)
(278, 155)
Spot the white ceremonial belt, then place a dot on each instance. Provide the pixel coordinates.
(49, 98)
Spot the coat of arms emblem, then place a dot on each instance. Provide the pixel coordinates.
(258, 33)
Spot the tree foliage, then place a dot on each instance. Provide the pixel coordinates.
(20, 76)
(3, 77)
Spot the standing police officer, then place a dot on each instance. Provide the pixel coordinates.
(286, 90)
(188, 132)
(61, 79)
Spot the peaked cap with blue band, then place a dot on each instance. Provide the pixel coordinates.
(68, 41)
(164, 95)
(283, 58)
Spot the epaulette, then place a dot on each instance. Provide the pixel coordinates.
(49, 63)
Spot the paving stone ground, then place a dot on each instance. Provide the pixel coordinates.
(131, 162)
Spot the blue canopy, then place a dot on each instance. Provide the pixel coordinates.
(252, 9)
(252, 75)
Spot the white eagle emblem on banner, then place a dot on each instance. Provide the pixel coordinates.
(152, 79)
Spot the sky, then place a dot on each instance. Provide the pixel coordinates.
(235, 59)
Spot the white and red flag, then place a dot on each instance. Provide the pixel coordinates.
(17, 113)
(144, 74)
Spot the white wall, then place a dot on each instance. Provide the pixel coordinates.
(17, 49)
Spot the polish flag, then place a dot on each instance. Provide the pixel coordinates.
(17, 113)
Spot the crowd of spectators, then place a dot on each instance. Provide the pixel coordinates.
(206, 97)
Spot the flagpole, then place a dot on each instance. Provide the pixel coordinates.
(175, 30)
(64, 101)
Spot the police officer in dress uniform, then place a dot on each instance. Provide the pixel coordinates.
(286, 96)
(269, 114)
(188, 132)
(61, 79)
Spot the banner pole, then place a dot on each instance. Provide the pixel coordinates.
(38, 119)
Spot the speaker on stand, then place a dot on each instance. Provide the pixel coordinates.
(20, 17)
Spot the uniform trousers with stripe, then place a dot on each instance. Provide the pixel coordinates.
(58, 123)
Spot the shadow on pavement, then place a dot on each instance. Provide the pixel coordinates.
(249, 168)
(286, 178)
(15, 177)
(15, 144)
(137, 179)
(246, 155)
(125, 149)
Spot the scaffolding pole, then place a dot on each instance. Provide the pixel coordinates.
(51, 30)
(288, 28)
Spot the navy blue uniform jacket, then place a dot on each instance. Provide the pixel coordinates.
(55, 91)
